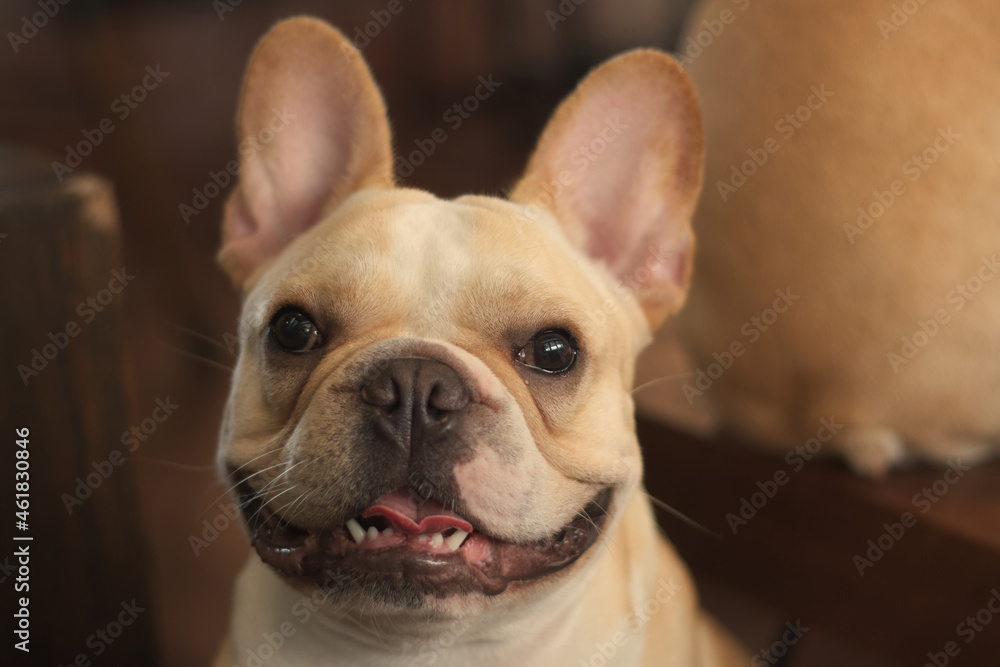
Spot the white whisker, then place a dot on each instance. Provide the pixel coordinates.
(662, 379)
(233, 487)
(264, 504)
(683, 517)
(196, 334)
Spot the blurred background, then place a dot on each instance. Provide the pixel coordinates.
(165, 76)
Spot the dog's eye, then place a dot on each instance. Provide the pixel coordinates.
(293, 331)
(549, 352)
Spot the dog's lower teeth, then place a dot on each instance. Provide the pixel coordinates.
(454, 541)
(372, 532)
(357, 532)
(387, 532)
(437, 540)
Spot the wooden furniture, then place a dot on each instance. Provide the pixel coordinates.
(62, 378)
(797, 550)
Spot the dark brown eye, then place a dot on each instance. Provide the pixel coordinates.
(292, 330)
(549, 352)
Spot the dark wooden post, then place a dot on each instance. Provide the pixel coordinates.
(61, 377)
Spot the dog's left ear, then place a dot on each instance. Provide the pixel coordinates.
(312, 129)
(620, 167)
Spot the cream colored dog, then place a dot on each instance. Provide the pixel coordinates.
(430, 429)
(852, 181)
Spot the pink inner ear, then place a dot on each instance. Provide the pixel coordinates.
(288, 181)
(239, 223)
(622, 191)
(619, 165)
(313, 129)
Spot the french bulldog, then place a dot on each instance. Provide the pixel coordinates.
(430, 430)
(848, 265)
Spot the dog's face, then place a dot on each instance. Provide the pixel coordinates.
(431, 406)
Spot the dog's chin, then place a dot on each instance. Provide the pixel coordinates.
(387, 557)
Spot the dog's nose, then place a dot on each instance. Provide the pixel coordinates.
(416, 401)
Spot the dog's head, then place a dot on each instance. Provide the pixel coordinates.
(432, 404)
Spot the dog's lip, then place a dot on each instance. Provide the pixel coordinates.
(410, 561)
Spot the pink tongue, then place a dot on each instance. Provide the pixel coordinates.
(430, 516)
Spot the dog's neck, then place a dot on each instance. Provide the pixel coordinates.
(272, 617)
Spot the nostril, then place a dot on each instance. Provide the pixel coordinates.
(446, 397)
(381, 392)
(439, 416)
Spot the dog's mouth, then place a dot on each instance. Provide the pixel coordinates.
(407, 546)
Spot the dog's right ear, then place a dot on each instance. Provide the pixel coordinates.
(312, 129)
(620, 167)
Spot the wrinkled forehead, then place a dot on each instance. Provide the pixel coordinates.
(405, 256)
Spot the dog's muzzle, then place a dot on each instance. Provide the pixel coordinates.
(409, 532)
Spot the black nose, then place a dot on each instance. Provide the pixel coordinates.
(415, 401)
